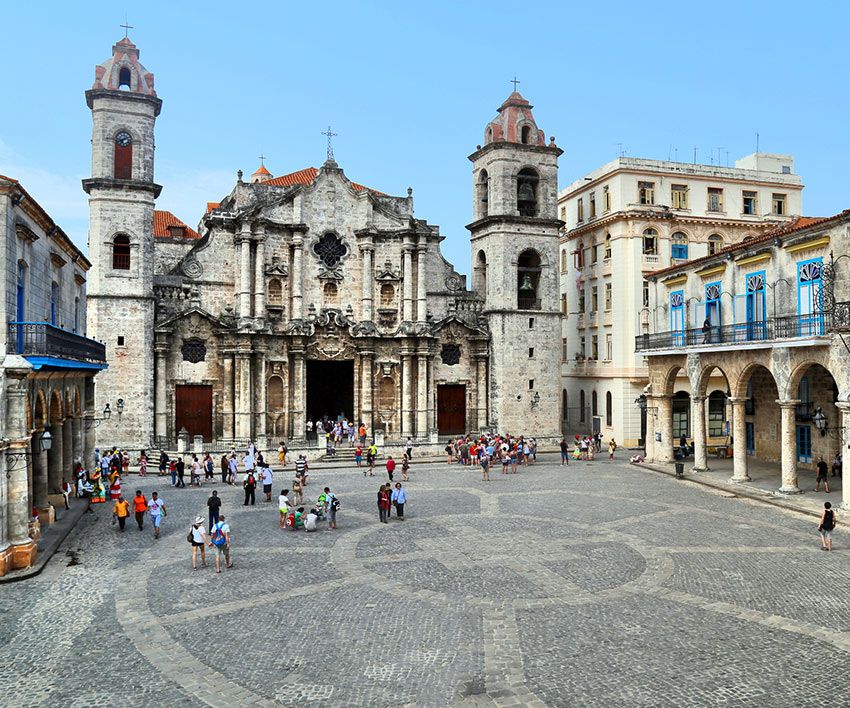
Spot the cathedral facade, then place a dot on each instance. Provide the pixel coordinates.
(308, 296)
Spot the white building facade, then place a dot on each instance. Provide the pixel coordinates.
(626, 219)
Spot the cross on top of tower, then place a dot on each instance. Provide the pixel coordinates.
(127, 28)
(331, 136)
(262, 160)
(515, 82)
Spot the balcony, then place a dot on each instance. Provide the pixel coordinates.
(606, 266)
(39, 339)
(650, 262)
(744, 335)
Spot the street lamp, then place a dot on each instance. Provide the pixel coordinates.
(820, 421)
(119, 406)
(43, 442)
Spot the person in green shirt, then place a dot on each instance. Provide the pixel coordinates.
(299, 518)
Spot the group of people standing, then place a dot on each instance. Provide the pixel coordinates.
(585, 447)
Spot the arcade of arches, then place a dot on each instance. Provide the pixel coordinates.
(760, 404)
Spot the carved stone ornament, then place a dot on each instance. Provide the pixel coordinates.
(277, 267)
(454, 282)
(365, 328)
(330, 346)
(194, 350)
(450, 354)
(388, 273)
(192, 268)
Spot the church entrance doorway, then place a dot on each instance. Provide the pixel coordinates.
(451, 409)
(330, 389)
(193, 409)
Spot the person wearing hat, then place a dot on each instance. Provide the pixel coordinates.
(198, 539)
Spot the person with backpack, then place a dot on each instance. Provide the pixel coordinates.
(214, 504)
(198, 538)
(827, 524)
(332, 506)
(250, 486)
(220, 540)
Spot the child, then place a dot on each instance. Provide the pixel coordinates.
(449, 453)
(283, 505)
(405, 467)
(485, 468)
(296, 492)
(506, 460)
(358, 458)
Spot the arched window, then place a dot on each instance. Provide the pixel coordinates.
(679, 246)
(124, 78)
(581, 403)
(528, 280)
(525, 135)
(526, 192)
(480, 273)
(580, 255)
(650, 242)
(54, 301)
(715, 243)
(489, 137)
(275, 292)
(123, 163)
(275, 394)
(594, 403)
(121, 252)
(331, 291)
(565, 405)
(483, 193)
(607, 246)
(387, 295)
(609, 410)
(716, 413)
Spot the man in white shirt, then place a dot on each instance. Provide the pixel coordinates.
(267, 482)
(156, 508)
(311, 521)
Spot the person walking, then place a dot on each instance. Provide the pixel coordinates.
(301, 470)
(232, 469)
(163, 463)
(612, 448)
(198, 538)
(485, 467)
(390, 467)
(172, 469)
(181, 470)
(209, 467)
(224, 466)
(140, 506)
(408, 448)
(827, 524)
(214, 506)
(157, 510)
(399, 498)
(121, 511)
(220, 540)
(823, 475)
(405, 468)
(383, 503)
(267, 482)
(250, 486)
(143, 464)
(331, 507)
(565, 451)
(195, 471)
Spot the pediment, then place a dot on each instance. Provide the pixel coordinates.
(194, 318)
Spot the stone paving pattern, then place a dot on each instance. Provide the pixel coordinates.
(596, 584)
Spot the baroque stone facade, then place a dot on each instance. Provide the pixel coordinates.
(308, 295)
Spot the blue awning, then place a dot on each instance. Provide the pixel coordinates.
(52, 362)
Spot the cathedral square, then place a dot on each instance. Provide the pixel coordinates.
(269, 435)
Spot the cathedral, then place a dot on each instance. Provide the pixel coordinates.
(310, 296)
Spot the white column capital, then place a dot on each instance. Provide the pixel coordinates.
(788, 404)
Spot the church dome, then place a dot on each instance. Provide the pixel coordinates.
(261, 175)
(514, 124)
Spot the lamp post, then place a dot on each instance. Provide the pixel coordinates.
(820, 421)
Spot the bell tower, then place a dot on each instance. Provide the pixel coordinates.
(122, 192)
(514, 239)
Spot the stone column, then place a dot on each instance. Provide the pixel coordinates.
(88, 437)
(406, 395)
(295, 285)
(67, 450)
(260, 274)
(788, 438)
(227, 396)
(844, 407)
(161, 381)
(299, 393)
(422, 396)
(698, 418)
(55, 464)
(76, 443)
(481, 382)
(23, 548)
(407, 286)
(244, 240)
(39, 473)
(368, 251)
(739, 435)
(663, 450)
(243, 395)
(366, 365)
(260, 383)
(421, 283)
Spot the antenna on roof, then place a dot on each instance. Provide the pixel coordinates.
(719, 157)
(757, 142)
(695, 154)
(676, 154)
(669, 152)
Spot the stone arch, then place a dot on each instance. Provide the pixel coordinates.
(55, 411)
(789, 391)
(742, 380)
(528, 191)
(276, 400)
(29, 415)
(705, 375)
(40, 410)
(668, 380)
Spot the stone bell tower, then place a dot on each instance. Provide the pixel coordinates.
(514, 239)
(121, 191)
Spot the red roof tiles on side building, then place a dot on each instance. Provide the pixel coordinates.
(166, 225)
(306, 177)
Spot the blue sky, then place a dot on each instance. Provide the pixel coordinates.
(409, 88)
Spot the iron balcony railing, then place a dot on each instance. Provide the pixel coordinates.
(42, 339)
(789, 327)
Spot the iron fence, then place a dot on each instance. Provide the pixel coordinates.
(42, 339)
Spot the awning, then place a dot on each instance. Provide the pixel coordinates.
(52, 362)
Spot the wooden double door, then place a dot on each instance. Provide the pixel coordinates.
(193, 409)
(451, 409)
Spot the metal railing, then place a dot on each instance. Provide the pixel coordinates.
(42, 339)
(788, 327)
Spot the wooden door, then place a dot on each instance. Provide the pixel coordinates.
(193, 410)
(451, 409)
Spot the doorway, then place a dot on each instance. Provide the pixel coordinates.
(193, 409)
(451, 409)
(330, 390)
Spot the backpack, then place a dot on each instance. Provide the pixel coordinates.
(218, 537)
(290, 520)
(190, 537)
(335, 504)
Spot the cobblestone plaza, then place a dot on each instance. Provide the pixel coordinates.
(594, 584)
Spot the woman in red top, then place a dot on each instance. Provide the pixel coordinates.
(384, 503)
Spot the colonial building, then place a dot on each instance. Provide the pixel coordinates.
(769, 373)
(624, 220)
(46, 381)
(307, 295)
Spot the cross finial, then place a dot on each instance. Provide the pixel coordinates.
(262, 160)
(127, 27)
(331, 136)
(515, 82)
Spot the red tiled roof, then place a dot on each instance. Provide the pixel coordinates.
(212, 205)
(261, 170)
(305, 177)
(800, 223)
(163, 219)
